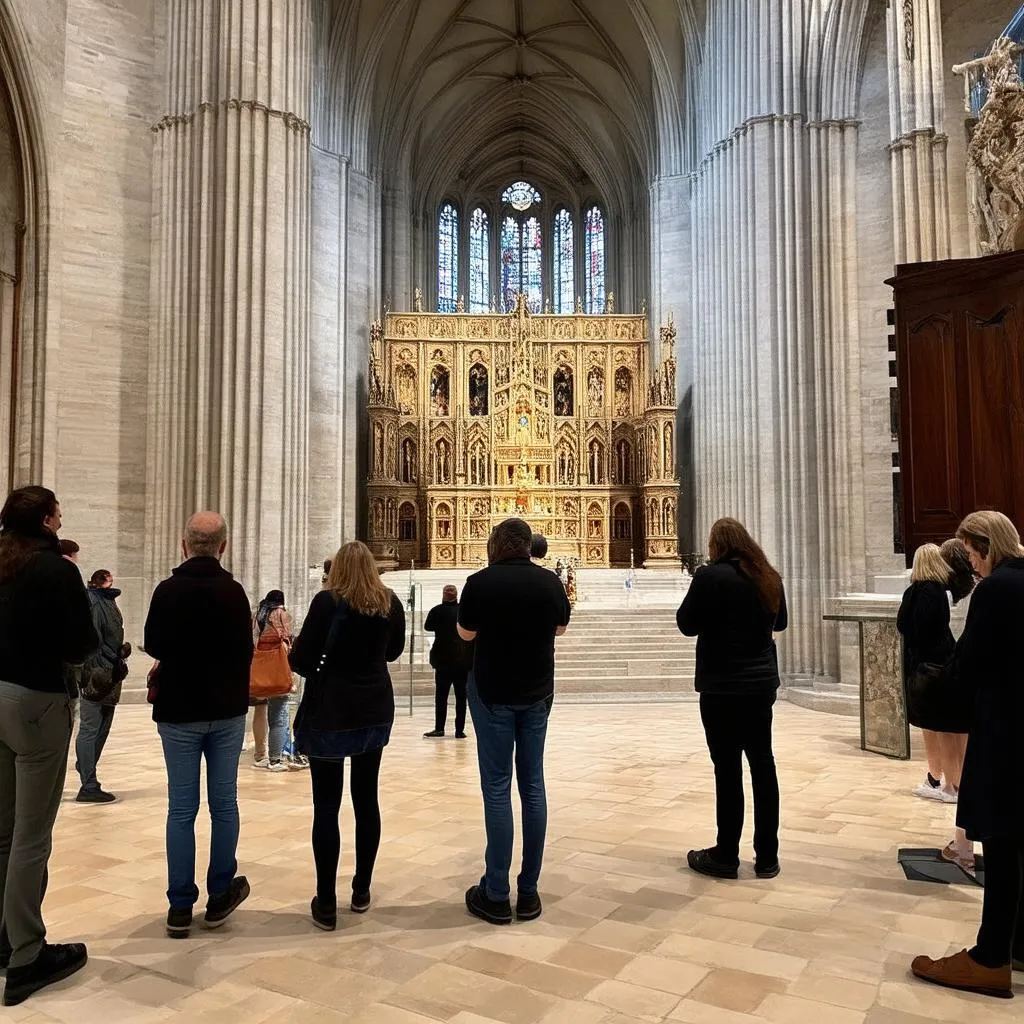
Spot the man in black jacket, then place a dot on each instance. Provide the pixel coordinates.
(513, 610)
(44, 624)
(107, 668)
(449, 657)
(199, 630)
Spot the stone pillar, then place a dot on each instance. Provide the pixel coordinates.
(920, 191)
(230, 286)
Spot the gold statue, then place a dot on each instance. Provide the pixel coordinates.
(609, 303)
(460, 306)
(579, 305)
(417, 302)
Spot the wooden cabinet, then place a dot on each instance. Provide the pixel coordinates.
(960, 373)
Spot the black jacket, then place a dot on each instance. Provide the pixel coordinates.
(45, 622)
(107, 619)
(735, 649)
(354, 689)
(990, 664)
(199, 628)
(449, 653)
(923, 622)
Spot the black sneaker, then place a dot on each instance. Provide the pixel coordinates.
(528, 907)
(325, 921)
(220, 908)
(771, 871)
(94, 796)
(179, 922)
(360, 902)
(704, 863)
(433, 734)
(492, 911)
(54, 963)
(460, 735)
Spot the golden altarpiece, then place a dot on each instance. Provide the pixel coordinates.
(557, 419)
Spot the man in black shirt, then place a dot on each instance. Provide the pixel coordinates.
(513, 609)
(449, 658)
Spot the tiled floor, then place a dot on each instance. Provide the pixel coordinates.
(627, 933)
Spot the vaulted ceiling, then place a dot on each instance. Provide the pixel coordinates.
(576, 94)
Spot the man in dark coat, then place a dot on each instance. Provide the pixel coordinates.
(102, 676)
(449, 658)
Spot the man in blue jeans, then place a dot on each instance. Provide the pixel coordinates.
(199, 630)
(513, 609)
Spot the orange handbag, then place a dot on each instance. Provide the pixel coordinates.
(270, 674)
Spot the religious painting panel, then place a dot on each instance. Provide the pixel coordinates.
(563, 391)
(478, 390)
(440, 391)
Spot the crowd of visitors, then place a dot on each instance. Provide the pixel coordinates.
(214, 659)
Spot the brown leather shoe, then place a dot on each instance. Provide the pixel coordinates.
(961, 972)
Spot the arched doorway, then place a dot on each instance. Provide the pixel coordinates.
(23, 225)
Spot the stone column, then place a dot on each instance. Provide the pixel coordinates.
(230, 287)
(920, 191)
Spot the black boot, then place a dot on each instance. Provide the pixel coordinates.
(492, 911)
(54, 963)
(220, 908)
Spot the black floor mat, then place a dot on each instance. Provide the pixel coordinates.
(928, 866)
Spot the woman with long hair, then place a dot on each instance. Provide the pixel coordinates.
(734, 606)
(354, 627)
(45, 625)
(990, 666)
(272, 628)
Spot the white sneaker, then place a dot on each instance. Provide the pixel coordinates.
(276, 766)
(928, 792)
(263, 762)
(297, 762)
(948, 795)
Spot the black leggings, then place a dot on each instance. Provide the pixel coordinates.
(328, 778)
(1002, 918)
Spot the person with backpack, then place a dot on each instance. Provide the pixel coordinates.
(450, 659)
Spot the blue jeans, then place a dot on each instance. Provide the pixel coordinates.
(277, 720)
(505, 734)
(93, 729)
(185, 745)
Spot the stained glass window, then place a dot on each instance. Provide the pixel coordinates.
(533, 264)
(520, 195)
(447, 259)
(594, 254)
(564, 263)
(479, 261)
(510, 263)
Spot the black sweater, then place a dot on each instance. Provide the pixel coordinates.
(45, 621)
(199, 628)
(449, 653)
(354, 690)
(735, 648)
(923, 622)
(990, 666)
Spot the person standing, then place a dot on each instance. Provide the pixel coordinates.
(199, 631)
(273, 627)
(45, 623)
(102, 674)
(69, 549)
(990, 808)
(449, 658)
(734, 606)
(354, 627)
(512, 611)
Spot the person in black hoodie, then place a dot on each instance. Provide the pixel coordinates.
(733, 607)
(354, 627)
(450, 658)
(199, 630)
(990, 809)
(45, 624)
(108, 667)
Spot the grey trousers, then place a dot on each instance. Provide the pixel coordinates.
(35, 734)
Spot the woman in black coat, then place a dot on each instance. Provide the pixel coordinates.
(354, 627)
(733, 607)
(990, 664)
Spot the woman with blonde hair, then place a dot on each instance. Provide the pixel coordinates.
(354, 627)
(990, 666)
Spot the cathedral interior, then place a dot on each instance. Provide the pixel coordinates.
(212, 248)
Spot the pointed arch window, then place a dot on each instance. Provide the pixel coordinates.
(563, 285)
(479, 261)
(593, 241)
(522, 262)
(447, 259)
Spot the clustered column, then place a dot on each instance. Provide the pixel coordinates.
(228, 427)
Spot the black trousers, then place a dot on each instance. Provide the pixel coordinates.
(734, 726)
(1001, 936)
(328, 778)
(444, 680)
